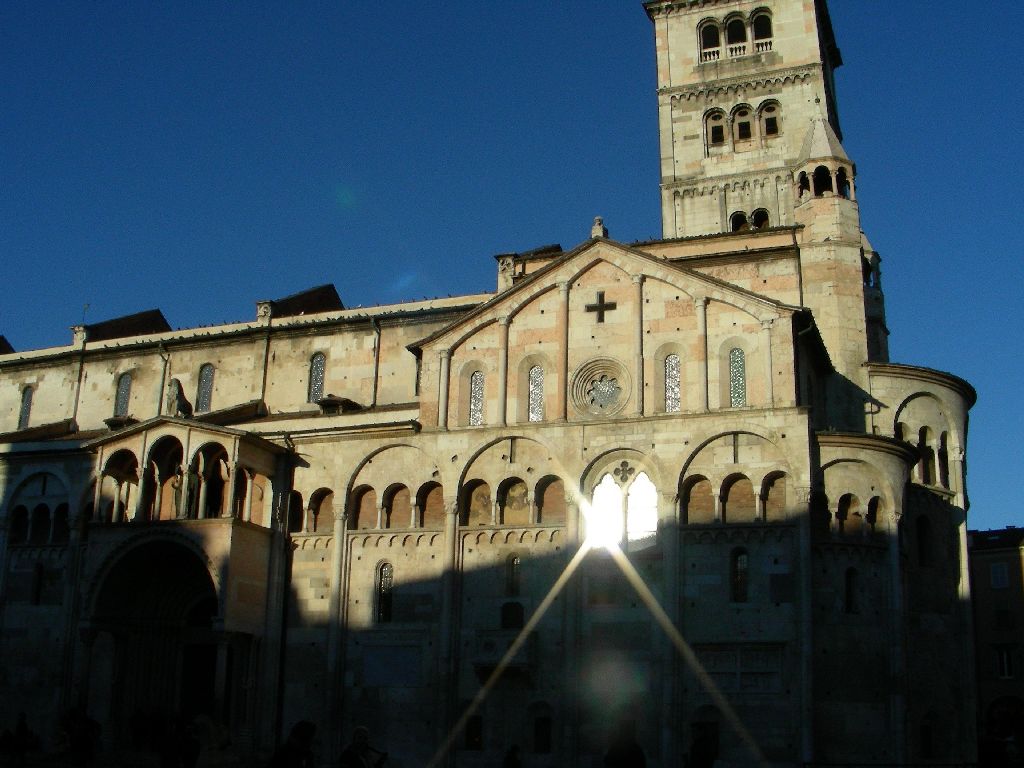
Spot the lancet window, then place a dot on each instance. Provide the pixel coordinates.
(737, 378)
(672, 371)
(204, 391)
(536, 383)
(385, 587)
(317, 368)
(124, 394)
(25, 413)
(476, 399)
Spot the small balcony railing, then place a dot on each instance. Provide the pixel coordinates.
(710, 54)
(738, 49)
(762, 46)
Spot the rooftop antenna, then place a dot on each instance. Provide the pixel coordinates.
(85, 308)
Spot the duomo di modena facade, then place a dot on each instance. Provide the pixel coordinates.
(347, 516)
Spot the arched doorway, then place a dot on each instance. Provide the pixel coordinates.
(155, 644)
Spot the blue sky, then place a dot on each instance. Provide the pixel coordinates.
(200, 156)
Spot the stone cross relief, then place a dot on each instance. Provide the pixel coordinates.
(601, 306)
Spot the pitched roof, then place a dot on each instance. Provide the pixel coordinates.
(821, 142)
(138, 324)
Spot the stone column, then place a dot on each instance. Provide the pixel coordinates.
(140, 511)
(571, 650)
(250, 477)
(187, 479)
(336, 631)
(897, 634)
(638, 298)
(531, 501)
(443, 387)
(201, 512)
(380, 514)
(716, 499)
(766, 336)
(447, 688)
(232, 478)
(700, 305)
(563, 369)
(414, 515)
(97, 499)
(806, 608)
(116, 515)
(503, 323)
(158, 495)
(668, 534)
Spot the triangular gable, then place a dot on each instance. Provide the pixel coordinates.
(572, 264)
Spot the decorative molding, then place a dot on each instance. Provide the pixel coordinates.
(710, 91)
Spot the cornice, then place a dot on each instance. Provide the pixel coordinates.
(743, 83)
(930, 375)
(656, 8)
(868, 442)
(698, 186)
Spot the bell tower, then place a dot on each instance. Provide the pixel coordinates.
(740, 85)
(750, 139)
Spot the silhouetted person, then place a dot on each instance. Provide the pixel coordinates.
(512, 758)
(297, 751)
(624, 752)
(359, 754)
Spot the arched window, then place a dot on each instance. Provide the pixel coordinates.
(803, 186)
(672, 400)
(944, 460)
(736, 37)
(762, 28)
(26, 408)
(536, 411)
(850, 591)
(759, 218)
(843, 184)
(204, 392)
(738, 222)
(822, 181)
(714, 129)
(926, 464)
(710, 42)
(476, 399)
(742, 125)
(124, 394)
(737, 378)
(607, 505)
(739, 576)
(641, 509)
(771, 120)
(317, 368)
(512, 576)
(385, 587)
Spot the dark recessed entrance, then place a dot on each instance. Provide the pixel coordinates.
(155, 653)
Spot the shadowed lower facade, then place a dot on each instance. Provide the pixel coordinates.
(347, 516)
